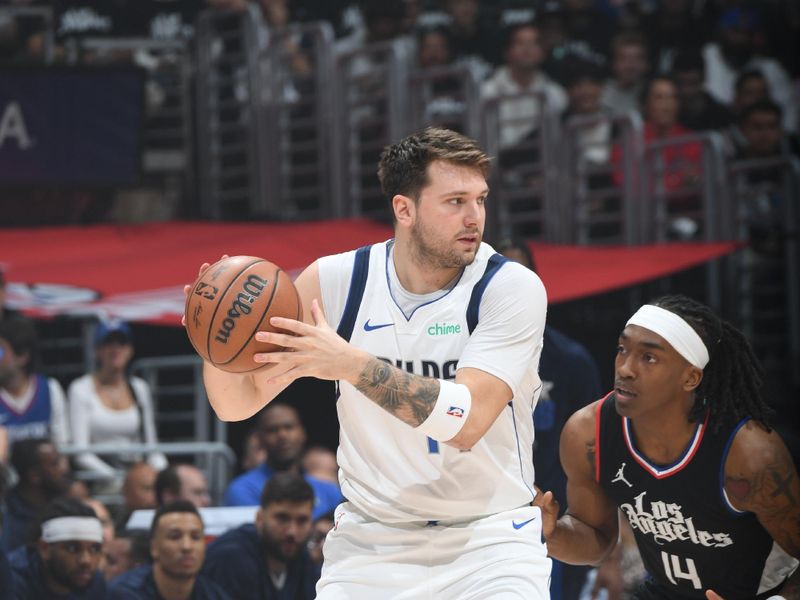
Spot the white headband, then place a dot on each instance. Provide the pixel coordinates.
(63, 529)
(674, 330)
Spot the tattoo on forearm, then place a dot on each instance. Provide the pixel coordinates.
(408, 397)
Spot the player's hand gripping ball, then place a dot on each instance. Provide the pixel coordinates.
(232, 300)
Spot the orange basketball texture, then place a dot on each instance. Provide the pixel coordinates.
(232, 300)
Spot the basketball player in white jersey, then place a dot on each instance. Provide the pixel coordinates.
(434, 340)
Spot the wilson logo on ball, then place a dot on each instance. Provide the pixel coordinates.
(241, 305)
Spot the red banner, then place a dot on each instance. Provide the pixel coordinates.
(137, 272)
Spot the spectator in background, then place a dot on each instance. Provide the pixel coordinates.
(736, 52)
(660, 108)
(473, 36)
(699, 110)
(64, 562)
(319, 532)
(178, 548)
(43, 475)
(589, 27)
(750, 87)
(434, 48)
(672, 26)
(561, 49)
(138, 491)
(269, 559)
(129, 549)
(108, 406)
(584, 88)
(570, 381)
(283, 436)
(320, 462)
(102, 513)
(521, 73)
(629, 67)
(253, 453)
(761, 134)
(31, 405)
(182, 482)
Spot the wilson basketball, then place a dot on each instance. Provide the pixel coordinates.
(232, 300)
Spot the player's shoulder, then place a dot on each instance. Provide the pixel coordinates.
(510, 276)
(583, 421)
(755, 448)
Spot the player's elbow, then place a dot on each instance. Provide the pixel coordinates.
(465, 439)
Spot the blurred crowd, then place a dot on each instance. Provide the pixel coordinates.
(686, 66)
(69, 526)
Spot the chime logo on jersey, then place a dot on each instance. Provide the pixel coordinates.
(438, 329)
(666, 523)
(455, 411)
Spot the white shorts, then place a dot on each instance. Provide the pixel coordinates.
(500, 557)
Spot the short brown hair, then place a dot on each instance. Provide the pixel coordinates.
(403, 167)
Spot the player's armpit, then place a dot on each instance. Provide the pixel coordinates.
(760, 477)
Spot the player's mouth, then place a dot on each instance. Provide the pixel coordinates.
(624, 392)
(470, 239)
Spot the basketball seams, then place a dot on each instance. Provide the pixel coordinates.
(249, 338)
(219, 303)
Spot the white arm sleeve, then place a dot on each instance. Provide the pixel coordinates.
(507, 342)
(79, 412)
(145, 399)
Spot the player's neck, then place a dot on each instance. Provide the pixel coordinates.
(416, 275)
(662, 437)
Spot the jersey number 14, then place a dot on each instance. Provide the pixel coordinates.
(674, 570)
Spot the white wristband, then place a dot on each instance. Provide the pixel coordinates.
(777, 597)
(449, 413)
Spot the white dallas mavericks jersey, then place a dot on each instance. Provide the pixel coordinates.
(389, 470)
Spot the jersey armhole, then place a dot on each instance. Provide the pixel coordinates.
(597, 415)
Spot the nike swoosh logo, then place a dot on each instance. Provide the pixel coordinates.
(368, 327)
(516, 525)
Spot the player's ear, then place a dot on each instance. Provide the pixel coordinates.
(403, 208)
(692, 378)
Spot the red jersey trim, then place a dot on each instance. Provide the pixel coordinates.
(597, 437)
(683, 460)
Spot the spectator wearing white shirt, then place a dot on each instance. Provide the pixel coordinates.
(521, 73)
(108, 406)
(735, 52)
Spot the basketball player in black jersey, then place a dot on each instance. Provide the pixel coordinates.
(683, 447)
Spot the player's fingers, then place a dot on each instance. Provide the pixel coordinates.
(712, 595)
(183, 320)
(280, 339)
(297, 327)
(186, 289)
(317, 314)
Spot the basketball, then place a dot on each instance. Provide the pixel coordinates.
(232, 300)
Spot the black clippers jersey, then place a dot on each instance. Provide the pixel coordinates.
(690, 537)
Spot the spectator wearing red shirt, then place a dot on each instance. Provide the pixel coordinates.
(660, 108)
